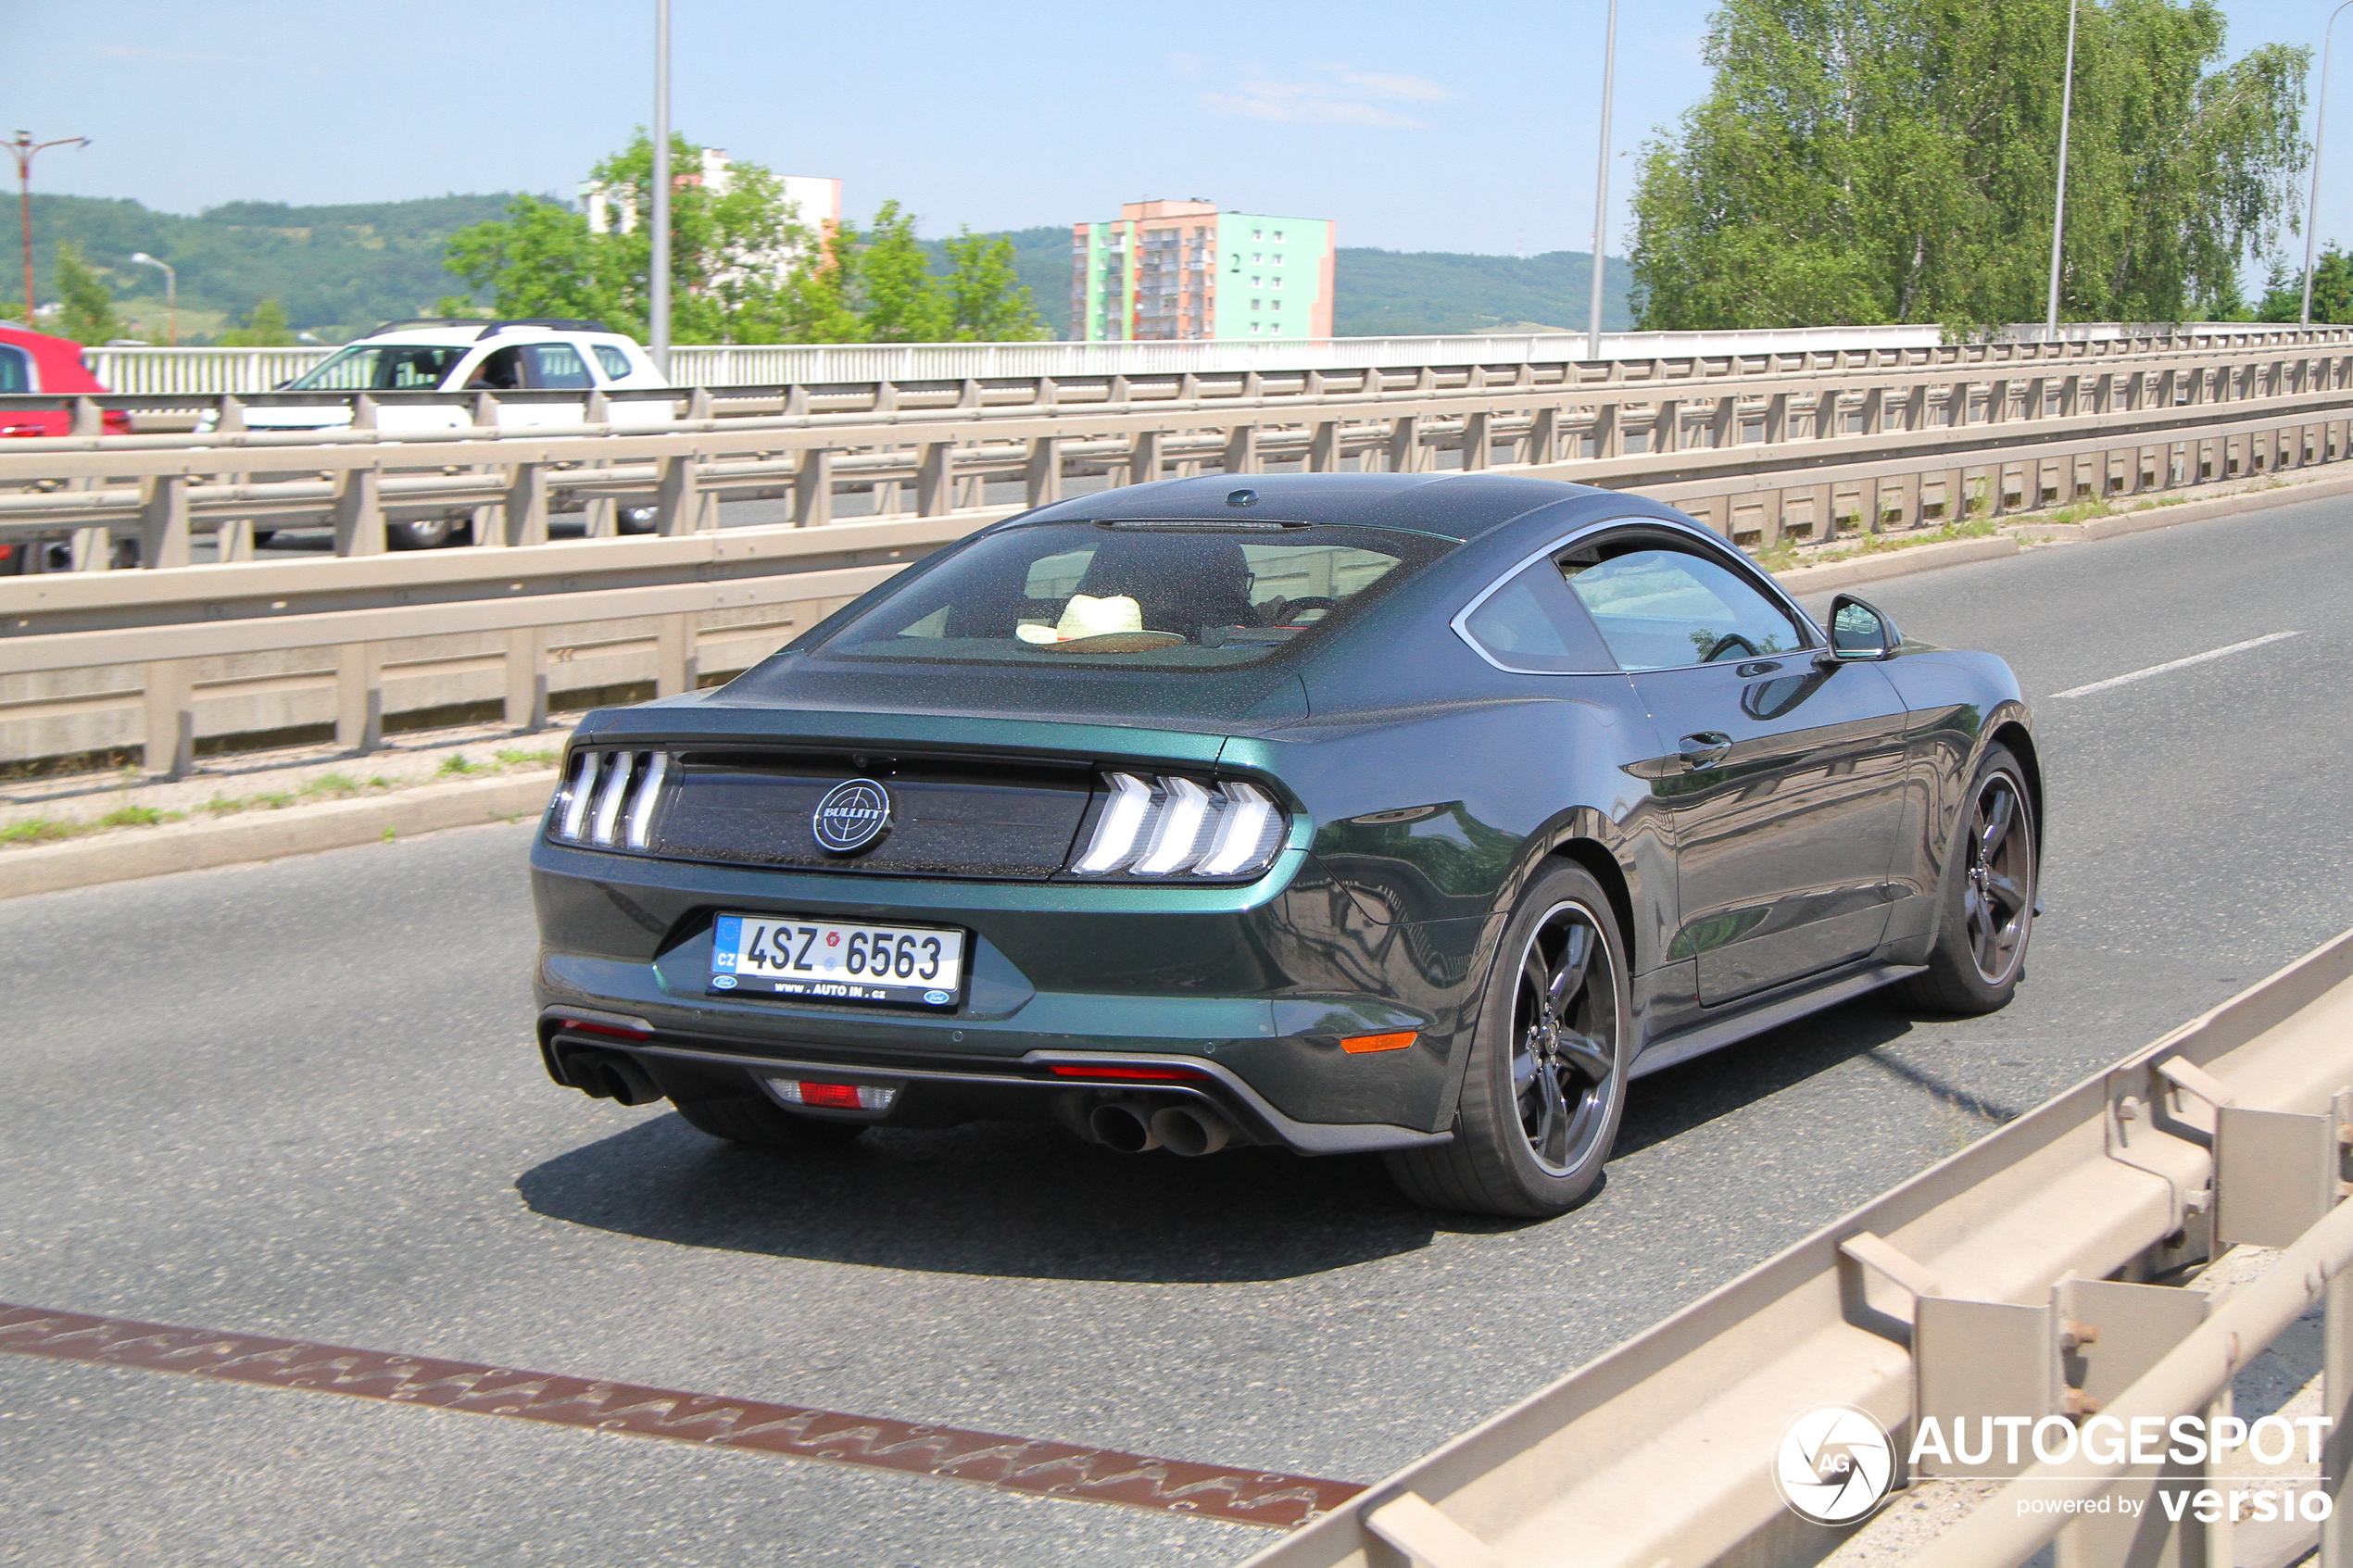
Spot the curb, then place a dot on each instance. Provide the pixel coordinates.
(1803, 580)
(267, 835)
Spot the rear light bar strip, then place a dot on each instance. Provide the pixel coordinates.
(1174, 826)
(608, 797)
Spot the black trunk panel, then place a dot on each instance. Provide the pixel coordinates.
(947, 817)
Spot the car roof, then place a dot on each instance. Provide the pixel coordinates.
(1452, 506)
(59, 359)
(466, 336)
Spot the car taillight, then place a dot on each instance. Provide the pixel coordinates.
(608, 799)
(1172, 826)
(834, 1097)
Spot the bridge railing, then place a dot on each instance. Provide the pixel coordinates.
(241, 370)
(2037, 1277)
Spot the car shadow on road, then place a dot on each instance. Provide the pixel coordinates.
(996, 1198)
(1670, 1103)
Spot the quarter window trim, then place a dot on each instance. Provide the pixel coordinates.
(1705, 544)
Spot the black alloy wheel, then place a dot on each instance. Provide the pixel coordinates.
(1980, 954)
(1563, 1053)
(1546, 1082)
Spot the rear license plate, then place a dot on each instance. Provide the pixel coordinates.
(920, 966)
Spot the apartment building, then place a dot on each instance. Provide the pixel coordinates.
(1174, 271)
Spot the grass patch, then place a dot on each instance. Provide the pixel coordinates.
(458, 765)
(37, 830)
(138, 817)
(515, 757)
(1784, 556)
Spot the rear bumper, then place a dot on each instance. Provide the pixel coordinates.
(929, 1089)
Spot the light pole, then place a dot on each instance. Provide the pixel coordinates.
(2058, 210)
(2320, 125)
(658, 278)
(23, 149)
(1601, 185)
(171, 292)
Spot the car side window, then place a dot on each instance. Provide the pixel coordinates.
(616, 364)
(1660, 608)
(559, 365)
(1534, 625)
(16, 371)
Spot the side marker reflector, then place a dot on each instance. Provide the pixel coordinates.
(1358, 1044)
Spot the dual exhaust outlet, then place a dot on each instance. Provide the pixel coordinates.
(1136, 1127)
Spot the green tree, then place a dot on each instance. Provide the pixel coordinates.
(266, 328)
(744, 267)
(731, 251)
(89, 305)
(986, 300)
(1861, 161)
(2332, 289)
(899, 301)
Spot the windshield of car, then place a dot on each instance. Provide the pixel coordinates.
(380, 367)
(1164, 595)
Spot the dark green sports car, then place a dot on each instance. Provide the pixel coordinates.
(1399, 812)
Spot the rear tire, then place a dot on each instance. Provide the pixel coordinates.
(1546, 1082)
(761, 1125)
(1988, 890)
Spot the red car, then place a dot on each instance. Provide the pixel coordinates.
(35, 362)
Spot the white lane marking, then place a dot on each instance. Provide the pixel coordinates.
(2176, 664)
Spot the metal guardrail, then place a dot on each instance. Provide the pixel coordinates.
(242, 370)
(2007, 1280)
(1978, 438)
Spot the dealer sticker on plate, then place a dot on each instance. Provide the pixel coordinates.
(827, 961)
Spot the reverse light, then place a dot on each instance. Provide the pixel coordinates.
(608, 799)
(1175, 826)
(834, 1097)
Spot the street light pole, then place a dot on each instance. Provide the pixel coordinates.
(1601, 185)
(658, 280)
(2320, 125)
(171, 292)
(2058, 210)
(23, 149)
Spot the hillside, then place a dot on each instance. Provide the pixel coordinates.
(342, 270)
(339, 270)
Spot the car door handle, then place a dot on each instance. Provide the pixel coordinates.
(1704, 749)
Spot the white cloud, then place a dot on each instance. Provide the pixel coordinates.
(1331, 94)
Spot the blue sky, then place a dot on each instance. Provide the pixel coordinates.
(1415, 127)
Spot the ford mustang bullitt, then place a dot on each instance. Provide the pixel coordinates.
(1399, 813)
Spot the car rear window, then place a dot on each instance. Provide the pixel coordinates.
(1134, 595)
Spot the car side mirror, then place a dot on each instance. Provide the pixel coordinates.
(1860, 630)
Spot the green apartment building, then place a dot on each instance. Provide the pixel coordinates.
(1175, 271)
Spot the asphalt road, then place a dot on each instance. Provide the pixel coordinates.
(301, 1100)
